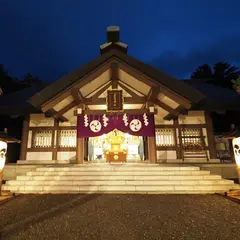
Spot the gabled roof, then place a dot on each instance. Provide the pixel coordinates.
(217, 98)
(5, 137)
(16, 103)
(229, 135)
(179, 87)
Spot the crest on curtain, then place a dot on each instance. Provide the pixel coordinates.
(97, 125)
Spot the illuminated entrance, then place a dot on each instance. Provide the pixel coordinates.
(116, 146)
(116, 137)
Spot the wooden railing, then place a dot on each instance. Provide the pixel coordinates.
(165, 137)
(68, 138)
(42, 139)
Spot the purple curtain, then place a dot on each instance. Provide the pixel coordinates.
(97, 125)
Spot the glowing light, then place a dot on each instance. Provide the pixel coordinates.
(236, 150)
(3, 151)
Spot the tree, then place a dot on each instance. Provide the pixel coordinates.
(202, 72)
(9, 84)
(236, 85)
(6, 82)
(222, 74)
(29, 80)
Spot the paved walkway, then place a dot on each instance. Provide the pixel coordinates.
(124, 217)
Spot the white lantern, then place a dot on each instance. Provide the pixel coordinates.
(236, 150)
(3, 151)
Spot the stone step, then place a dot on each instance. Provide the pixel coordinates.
(120, 168)
(118, 177)
(118, 173)
(43, 162)
(117, 183)
(132, 189)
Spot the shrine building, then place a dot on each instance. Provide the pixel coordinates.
(117, 109)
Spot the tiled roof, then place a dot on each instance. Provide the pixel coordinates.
(217, 98)
(7, 138)
(17, 102)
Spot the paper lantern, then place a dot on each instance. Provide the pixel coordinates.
(236, 149)
(3, 151)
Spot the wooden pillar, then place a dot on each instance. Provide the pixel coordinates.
(80, 151)
(145, 146)
(210, 136)
(152, 150)
(177, 138)
(55, 140)
(80, 144)
(24, 140)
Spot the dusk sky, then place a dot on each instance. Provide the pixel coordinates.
(50, 38)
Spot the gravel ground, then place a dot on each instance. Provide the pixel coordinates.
(124, 217)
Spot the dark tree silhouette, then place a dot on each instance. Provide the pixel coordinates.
(202, 72)
(6, 82)
(9, 84)
(222, 74)
(29, 80)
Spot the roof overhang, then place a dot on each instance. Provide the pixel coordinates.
(143, 84)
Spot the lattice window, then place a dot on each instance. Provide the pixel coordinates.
(165, 137)
(42, 139)
(68, 138)
(192, 139)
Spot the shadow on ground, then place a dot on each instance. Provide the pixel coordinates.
(125, 217)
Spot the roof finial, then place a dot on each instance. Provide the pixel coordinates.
(113, 40)
(113, 34)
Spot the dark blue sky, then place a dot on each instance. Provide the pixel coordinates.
(52, 37)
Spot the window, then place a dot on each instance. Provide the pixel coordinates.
(192, 139)
(165, 137)
(42, 139)
(68, 138)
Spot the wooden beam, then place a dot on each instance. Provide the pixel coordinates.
(127, 85)
(66, 108)
(173, 112)
(80, 151)
(89, 77)
(210, 135)
(50, 113)
(153, 93)
(77, 96)
(131, 71)
(128, 100)
(129, 111)
(152, 150)
(176, 98)
(102, 90)
(179, 110)
(55, 140)
(151, 82)
(169, 117)
(56, 115)
(129, 91)
(62, 119)
(24, 142)
(59, 115)
(114, 75)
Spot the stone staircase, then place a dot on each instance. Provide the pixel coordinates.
(119, 178)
